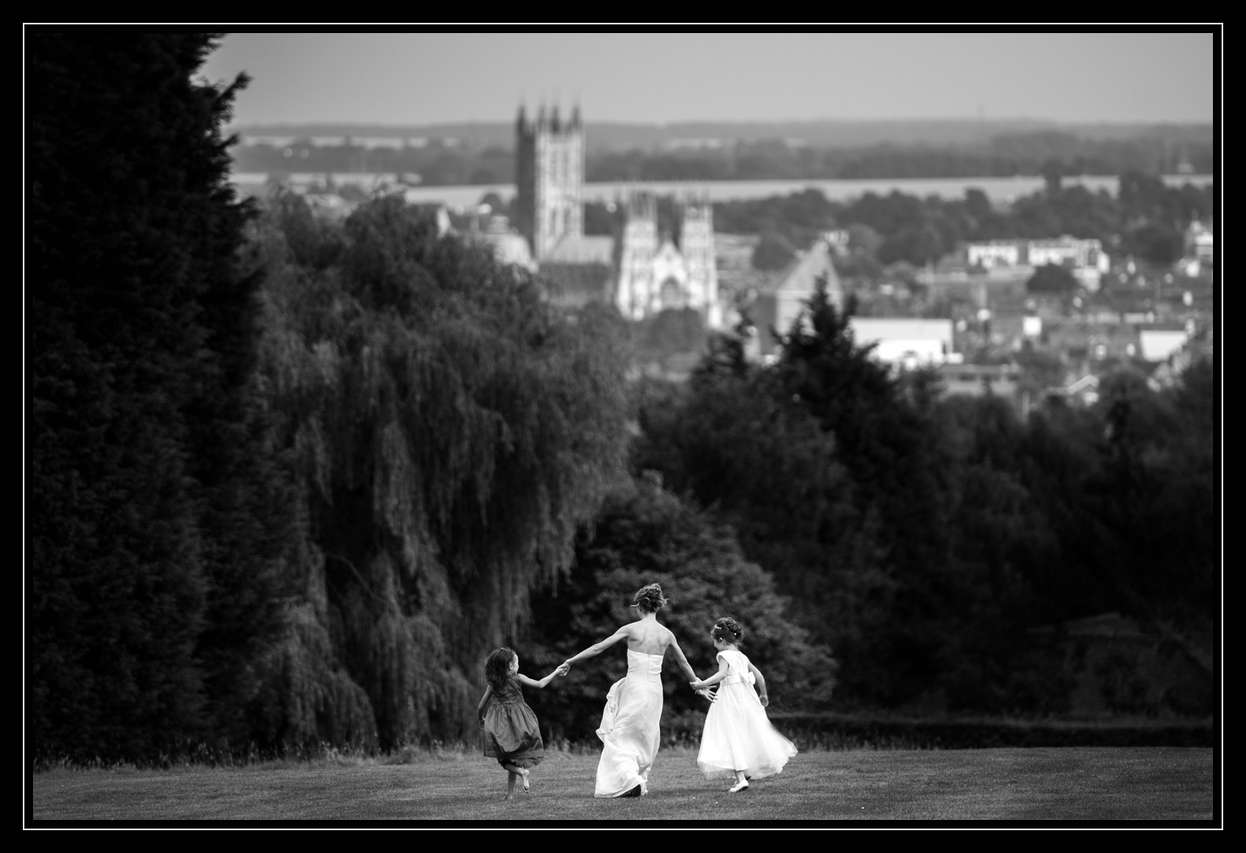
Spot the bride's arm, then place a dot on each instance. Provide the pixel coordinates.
(597, 648)
(682, 661)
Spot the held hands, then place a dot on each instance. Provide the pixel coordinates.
(702, 690)
(563, 669)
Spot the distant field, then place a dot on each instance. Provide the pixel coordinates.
(1068, 784)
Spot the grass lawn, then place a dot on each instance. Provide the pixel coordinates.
(1058, 784)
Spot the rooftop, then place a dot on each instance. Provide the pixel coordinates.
(582, 249)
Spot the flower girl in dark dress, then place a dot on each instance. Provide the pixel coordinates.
(511, 732)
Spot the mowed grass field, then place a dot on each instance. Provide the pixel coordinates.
(1058, 784)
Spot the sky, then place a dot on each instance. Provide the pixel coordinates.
(430, 77)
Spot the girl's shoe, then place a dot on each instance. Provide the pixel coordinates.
(738, 786)
(524, 777)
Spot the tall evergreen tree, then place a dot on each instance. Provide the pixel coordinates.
(141, 347)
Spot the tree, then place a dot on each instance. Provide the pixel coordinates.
(644, 534)
(772, 253)
(153, 508)
(1156, 243)
(669, 332)
(494, 201)
(822, 469)
(864, 239)
(1053, 280)
(447, 432)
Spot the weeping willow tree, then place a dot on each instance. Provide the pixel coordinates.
(446, 432)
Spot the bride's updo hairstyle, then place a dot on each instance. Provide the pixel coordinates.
(649, 598)
(728, 630)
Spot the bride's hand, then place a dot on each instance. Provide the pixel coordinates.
(707, 693)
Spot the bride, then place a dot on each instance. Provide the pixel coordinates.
(629, 723)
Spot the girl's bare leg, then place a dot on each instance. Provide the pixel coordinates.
(516, 770)
(510, 784)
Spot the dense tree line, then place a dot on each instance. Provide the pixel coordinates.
(922, 538)
(1147, 219)
(1004, 156)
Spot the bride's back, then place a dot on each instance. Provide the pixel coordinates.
(648, 637)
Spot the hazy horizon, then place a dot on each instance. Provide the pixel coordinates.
(423, 78)
(730, 121)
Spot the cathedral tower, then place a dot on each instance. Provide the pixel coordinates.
(636, 286)
(549, 178)
(696, 242)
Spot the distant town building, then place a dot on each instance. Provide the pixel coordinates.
(771, 302)
(328, 204)
(838, 239)
(1200, 243)
(582, 249)
(977, 379)
(796, 285)
(1067, 251)
(1159, 344)
(509, 246)
(1084, 258)
(439, 213)
(733, 255)
(906, 342)
(995, 253)
(953, 278)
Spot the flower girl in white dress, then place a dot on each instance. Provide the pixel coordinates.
(738, 738)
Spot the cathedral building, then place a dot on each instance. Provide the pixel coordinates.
(654, 275)
(549, 177)
(646, 272)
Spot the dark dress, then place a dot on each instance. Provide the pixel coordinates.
(512, 734)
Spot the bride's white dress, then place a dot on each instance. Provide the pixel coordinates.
(629, 727)
(738, 735)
